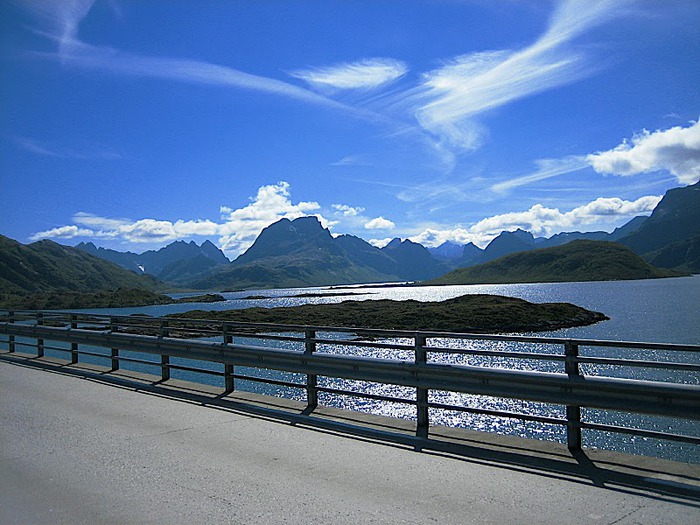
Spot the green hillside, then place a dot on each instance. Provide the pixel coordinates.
(46, 266)
(581, 260)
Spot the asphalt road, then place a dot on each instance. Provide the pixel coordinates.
(76, 450)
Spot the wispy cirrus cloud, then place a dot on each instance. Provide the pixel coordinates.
(46, 149)
(60, 22)
(676, 150)
(451, 97)
(446, 105)
(547, 168)
(368, 73)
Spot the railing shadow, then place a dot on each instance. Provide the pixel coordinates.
(610, 471)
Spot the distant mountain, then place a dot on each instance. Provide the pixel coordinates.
(304, 253)
(127, 260)
(471, 255)
(669, 235)
(507, 243)
(286, 237)
(413, 261)
(579, 260)
(447, 251)
(46, 266)
(300, 253)
(176, 262)
(627, 228)
(363, 253)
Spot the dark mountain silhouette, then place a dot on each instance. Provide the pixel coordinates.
(579, 260)
(627, 228)
(669, 235)
(127, 260)
(447, 251)
(174, 263)
(519, 240)
(304, 253)
(364, 254)
(506, 243)
(413, 261)
(300, 253)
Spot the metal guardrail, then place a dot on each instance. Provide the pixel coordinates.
(168, 337)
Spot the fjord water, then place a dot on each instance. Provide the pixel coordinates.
(657, 310)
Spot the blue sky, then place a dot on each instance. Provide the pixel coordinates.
(134, 124)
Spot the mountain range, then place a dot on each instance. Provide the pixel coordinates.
(301, 252)
(304, 253)
(176, 263)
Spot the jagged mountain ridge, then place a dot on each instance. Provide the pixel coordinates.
(301, 252)
(175, 263)
(669, 236)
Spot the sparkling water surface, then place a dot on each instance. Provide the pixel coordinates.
(656, 310)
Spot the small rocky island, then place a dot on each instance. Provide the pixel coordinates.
(468, 313)
(120, 298)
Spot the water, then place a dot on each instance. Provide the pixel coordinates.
(658, 310)
(654, 310)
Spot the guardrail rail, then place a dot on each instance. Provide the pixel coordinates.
(419, 361)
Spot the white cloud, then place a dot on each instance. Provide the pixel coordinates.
(541, 220)
(237, 230)
(272, 203)
(380, 243)
(363, 74)
(676, 150)
(101, 223)
(64, 232)
(348, 211)
(379, 223)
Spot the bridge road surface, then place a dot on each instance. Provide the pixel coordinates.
(76, 449)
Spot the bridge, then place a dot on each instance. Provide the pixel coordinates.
(83, 442)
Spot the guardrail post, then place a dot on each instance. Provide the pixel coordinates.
(39, 341)
(423, 416)
(573, 412)
(73, 346)
(311, 379)
(164, 359)
(228, 368)
(11, 338)
(114, 352)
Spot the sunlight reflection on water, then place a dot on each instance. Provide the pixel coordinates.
(660, 310)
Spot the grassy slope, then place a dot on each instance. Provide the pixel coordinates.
(581, 260)
(46, 266)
